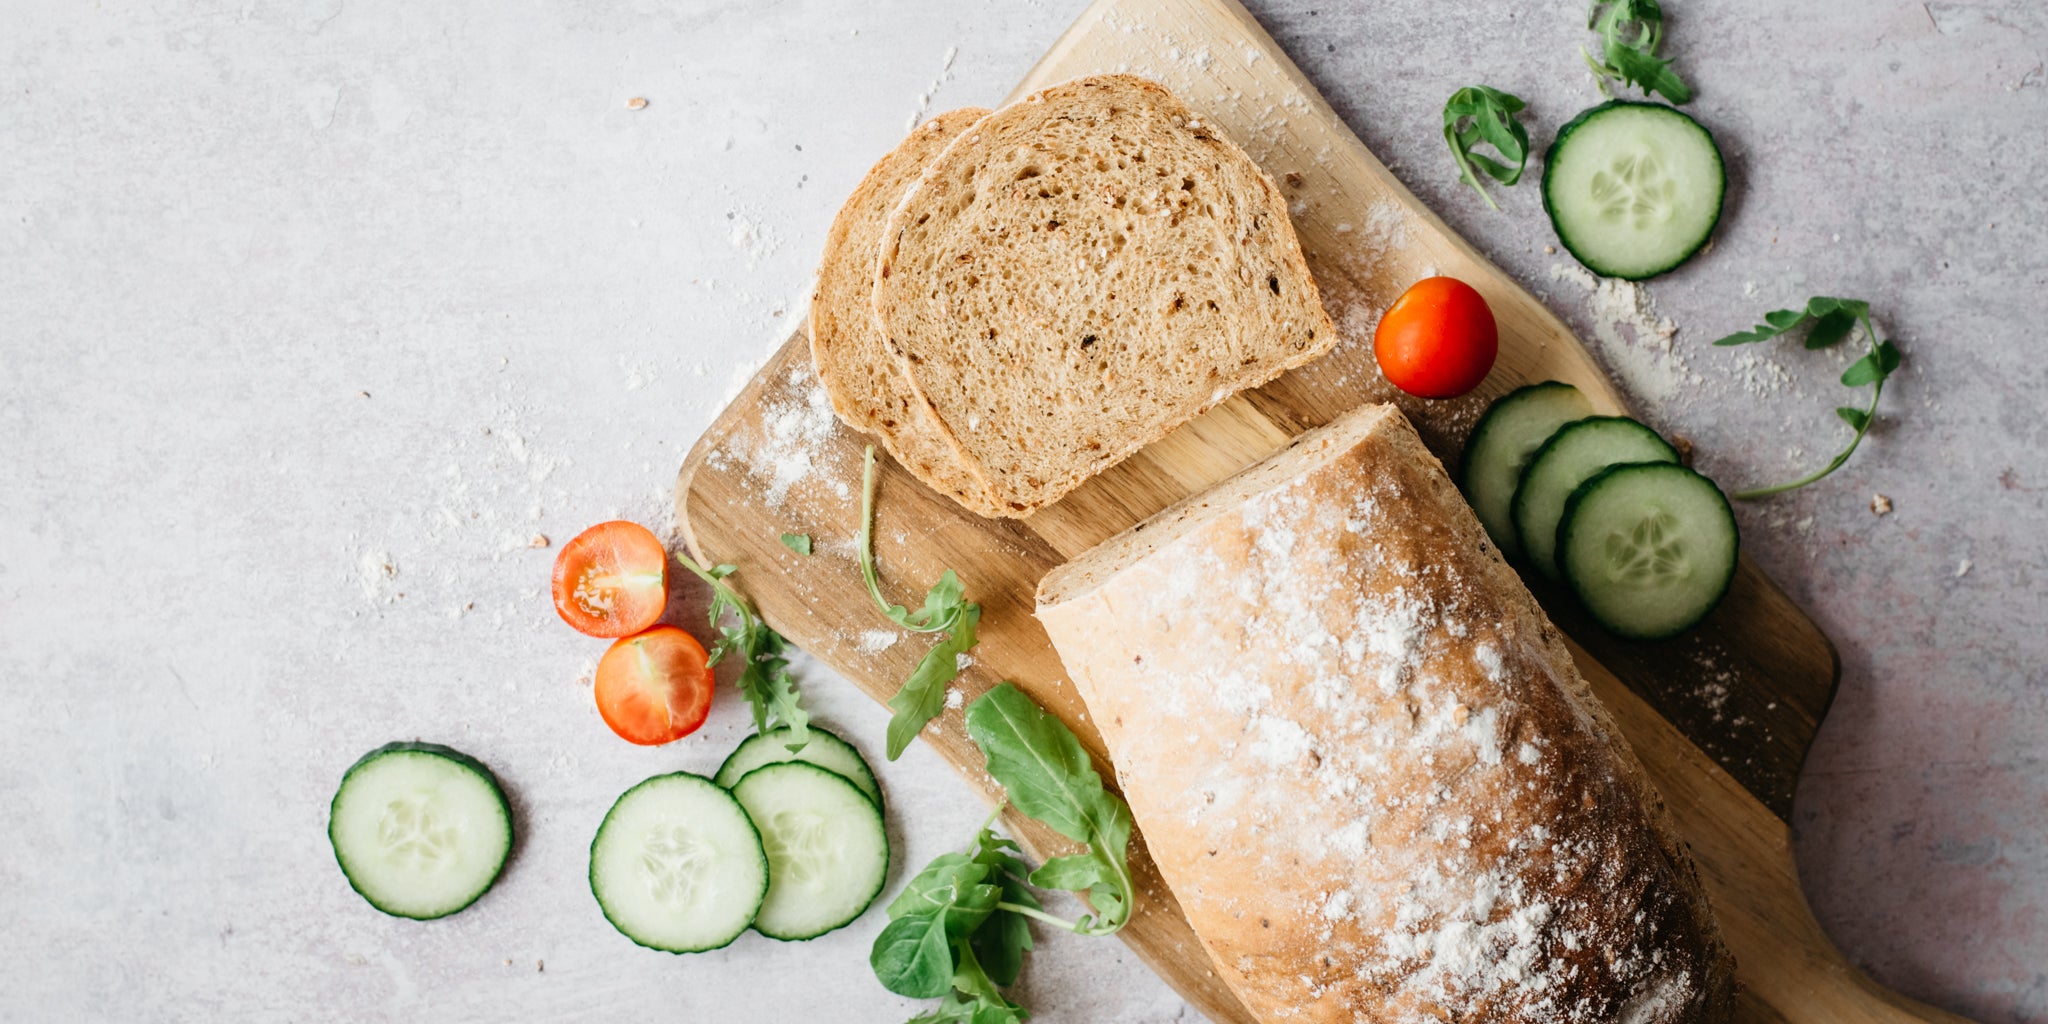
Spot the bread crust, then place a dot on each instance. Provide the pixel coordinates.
(992, 319)
(860, 374)
(1364, 761)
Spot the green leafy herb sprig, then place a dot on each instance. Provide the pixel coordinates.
(764, 677)
(960, 930)
(1630, 32)
(946, 611)
(1832, 321)
(1477, 114)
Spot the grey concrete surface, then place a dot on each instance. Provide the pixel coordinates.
(313, 315)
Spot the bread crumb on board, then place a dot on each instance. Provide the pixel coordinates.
(637, 103)
(1880, 505)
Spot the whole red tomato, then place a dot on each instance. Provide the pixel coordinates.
(1438, 340)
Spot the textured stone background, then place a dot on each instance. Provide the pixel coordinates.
(313, 314)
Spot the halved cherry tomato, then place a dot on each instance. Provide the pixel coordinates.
(612, 580)
(655, 687)
(1438, 340)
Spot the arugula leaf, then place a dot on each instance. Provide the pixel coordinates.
(959, 930)
(1002, 940)
(971, 979)
(961, 927)
(912, 957)
(1653, 74)
(946, 610)
(1873, 368)
(1478, 114)
(1630, 32)
(915, 954)
(958, 1009)
(764, 677)
(1829, 329)
(923, 695)
(798, 542)
(1075, 873)
(1048, 776)
(1833, 320)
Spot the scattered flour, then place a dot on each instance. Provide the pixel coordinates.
(1631, 338)
(377, 574)
(1362, 686)
(924, 99)
(875, 641)
(637, 376)
(1386, 227)
(793, 435)
(750, 237)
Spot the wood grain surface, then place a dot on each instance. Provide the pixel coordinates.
(1721, 717)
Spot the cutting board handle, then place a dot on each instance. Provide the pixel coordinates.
(1787, 968)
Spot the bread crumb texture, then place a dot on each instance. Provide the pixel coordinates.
(1083, 271)
(1372, 775)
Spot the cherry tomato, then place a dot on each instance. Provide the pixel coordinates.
(1438, 340)
(655, 687)
(612, 580)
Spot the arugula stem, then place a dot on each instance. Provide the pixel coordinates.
(1601, 73)
(732, 596)
(1869, 417)
(1130, 888)
(991, 819)
(866, 542)
(1836, 463)
(1040, 915)
(1465, 168)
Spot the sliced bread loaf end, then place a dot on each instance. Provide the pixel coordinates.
(853, 360)
(1083, 271)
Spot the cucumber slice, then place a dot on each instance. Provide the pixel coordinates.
(828, 852)
(1633, 189)
(825, 749)
(1648, 547)
(1513, 428)
(420, 830)
(1577, 451)
(677, 865)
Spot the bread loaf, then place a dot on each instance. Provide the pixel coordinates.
(1080, 273)
(1364, 761)
(854, 363)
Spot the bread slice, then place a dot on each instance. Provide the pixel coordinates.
(1080, 273)
(854, 362)
(1364, 762)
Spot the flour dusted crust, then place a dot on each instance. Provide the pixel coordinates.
(860, 375)
(1080, 273)
(1364, 761)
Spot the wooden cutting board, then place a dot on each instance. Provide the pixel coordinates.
(1721, 717)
